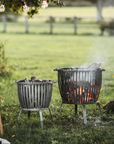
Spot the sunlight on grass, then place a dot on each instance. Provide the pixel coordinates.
(37, 55)
(76, 11)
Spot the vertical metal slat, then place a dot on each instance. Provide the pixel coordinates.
(44, 100)
(41, 95)
(35, 96)
(29, 97)
(38, 95)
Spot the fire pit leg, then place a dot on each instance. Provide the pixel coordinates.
(100, 110)
(101, 113)
(75, 109)
(60, 110)
(19, 115)
(41, 118)
(84, 115)
(51, 114)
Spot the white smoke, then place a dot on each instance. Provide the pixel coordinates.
(97, 53)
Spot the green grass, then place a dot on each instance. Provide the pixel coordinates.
(37, 54)
(76, 11)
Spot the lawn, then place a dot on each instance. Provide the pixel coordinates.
(37, 54)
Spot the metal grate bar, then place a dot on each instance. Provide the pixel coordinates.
(24, 98)
(47, 95)
(42, 95)
(30, 98)
(32, 88)
(36, 96)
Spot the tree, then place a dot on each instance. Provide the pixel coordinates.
(99, 5)
(34, 5)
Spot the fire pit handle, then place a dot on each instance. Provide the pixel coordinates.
(18, 81)
(70, 68)
(15, 81)
(56, 69)
(103, 69)
(40, 82)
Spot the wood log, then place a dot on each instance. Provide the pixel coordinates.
(94, 66)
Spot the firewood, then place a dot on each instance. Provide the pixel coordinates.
(33, 78)
(26, 80)
(94, 66)
(37, 80)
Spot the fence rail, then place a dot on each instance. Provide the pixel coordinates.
(51, 23)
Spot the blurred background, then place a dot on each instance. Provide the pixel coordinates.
(72, 18)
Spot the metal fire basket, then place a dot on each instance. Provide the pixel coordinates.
(34, 96)
(79, 86)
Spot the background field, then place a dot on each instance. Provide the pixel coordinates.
(37, 54)
(62, 22)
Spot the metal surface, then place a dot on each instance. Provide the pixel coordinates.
(84, 115)
(34, 96)
(79, 86)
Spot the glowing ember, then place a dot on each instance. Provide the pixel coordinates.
(82, 95)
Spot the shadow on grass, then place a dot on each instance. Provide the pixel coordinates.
(68, 129)
(46, 33)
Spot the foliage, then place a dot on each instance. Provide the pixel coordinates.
(34, 5)
(38, 54)
(4, 69)
(107, 26)
(92, 1)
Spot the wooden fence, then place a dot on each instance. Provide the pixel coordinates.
(4, 21)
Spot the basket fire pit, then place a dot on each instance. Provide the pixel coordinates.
(34, 96)
(80, 85)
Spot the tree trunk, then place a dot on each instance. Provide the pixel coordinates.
(99, 5)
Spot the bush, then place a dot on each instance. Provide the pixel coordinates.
(4, 69)
(109, 26)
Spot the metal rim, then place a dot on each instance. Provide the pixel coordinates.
(34, 83)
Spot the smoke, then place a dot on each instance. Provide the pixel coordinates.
(99, 52)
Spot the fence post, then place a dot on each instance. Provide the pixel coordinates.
(4, 23)
(51, 26)
(26, 23)
(75, 26)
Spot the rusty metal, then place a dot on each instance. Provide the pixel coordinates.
(79, 86)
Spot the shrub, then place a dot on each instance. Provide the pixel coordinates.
(109, 26)
(4, 69)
